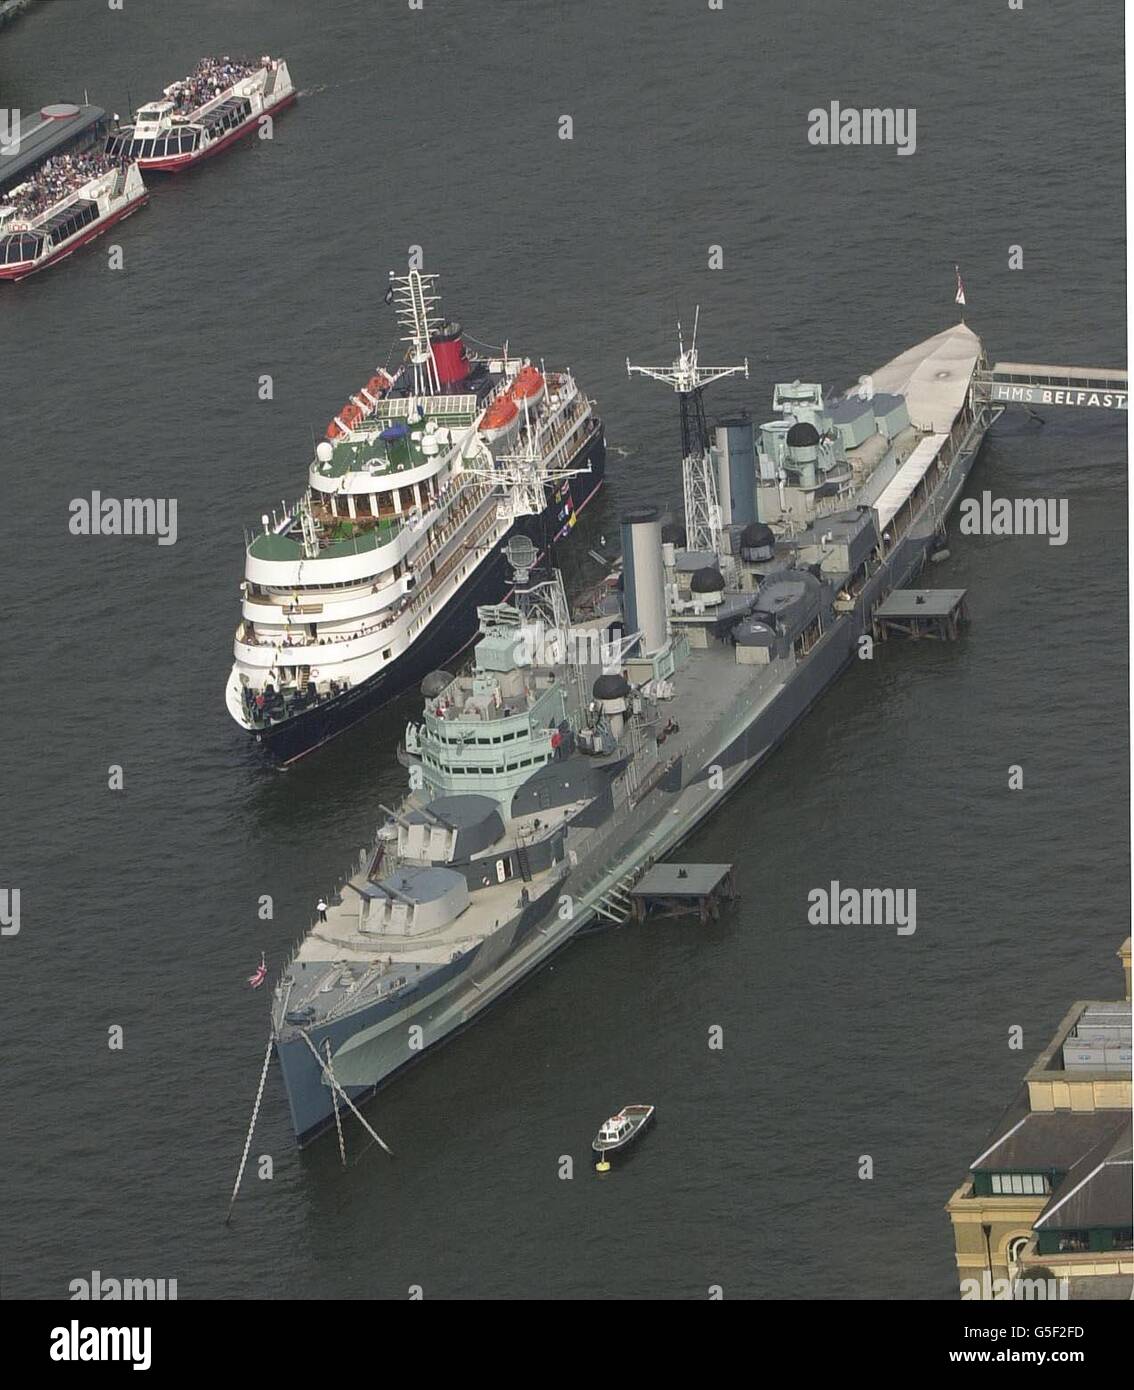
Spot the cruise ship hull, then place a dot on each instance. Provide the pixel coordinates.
(447, 635)
(739, 744)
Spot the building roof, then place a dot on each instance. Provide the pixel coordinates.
(1096, 1193)
(1037, 1141)
(41, 134)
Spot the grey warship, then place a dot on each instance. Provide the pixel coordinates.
(547, 776)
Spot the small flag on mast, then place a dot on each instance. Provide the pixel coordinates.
(960, 286)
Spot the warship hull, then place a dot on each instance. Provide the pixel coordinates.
(440, 641)
(745, 727)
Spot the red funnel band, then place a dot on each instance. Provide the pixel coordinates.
(452, 364)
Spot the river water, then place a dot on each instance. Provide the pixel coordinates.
(439, 128)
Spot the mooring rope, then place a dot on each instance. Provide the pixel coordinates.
(335, 1098)
(330, 1077)
(252, 1126)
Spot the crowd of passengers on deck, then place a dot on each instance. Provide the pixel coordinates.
(58, 176)
(210, 76)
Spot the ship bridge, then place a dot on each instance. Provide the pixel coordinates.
(1031, 383)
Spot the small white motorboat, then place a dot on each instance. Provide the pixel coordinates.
(620, 1131)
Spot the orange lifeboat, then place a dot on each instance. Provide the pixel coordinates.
(350, 415)
(334, 430)
(528, 387)
(501, 419)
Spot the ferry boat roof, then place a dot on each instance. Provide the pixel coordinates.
(43, 132)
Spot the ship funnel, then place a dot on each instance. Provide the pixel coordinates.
(734, 452)
(449, 356)
(644, 578)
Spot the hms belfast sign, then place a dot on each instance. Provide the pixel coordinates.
(1056, 395)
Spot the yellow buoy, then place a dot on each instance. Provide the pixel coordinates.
(602, 1167)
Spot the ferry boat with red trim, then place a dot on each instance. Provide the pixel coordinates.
(69, 199)
(220, 101)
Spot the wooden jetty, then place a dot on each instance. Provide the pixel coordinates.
(679, 890)
(916, 613)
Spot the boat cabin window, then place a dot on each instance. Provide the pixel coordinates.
(21, 246)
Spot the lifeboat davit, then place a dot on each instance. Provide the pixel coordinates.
(377, 387)
(528, 388)
(501, 420)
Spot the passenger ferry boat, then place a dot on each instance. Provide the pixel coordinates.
(202, 114)
(69, 196)
(373, 578)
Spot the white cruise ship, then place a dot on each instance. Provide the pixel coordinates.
(372, 579)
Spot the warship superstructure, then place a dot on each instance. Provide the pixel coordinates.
(546, 778)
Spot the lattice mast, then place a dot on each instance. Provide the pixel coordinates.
(415, 300)
(688, 378)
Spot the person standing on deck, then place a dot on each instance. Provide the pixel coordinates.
(321, 909)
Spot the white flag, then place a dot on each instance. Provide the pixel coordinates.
(960, 286)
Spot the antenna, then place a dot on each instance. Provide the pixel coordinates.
(415, 299)
(688, 378)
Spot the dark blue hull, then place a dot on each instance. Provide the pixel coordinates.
(442, 639)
